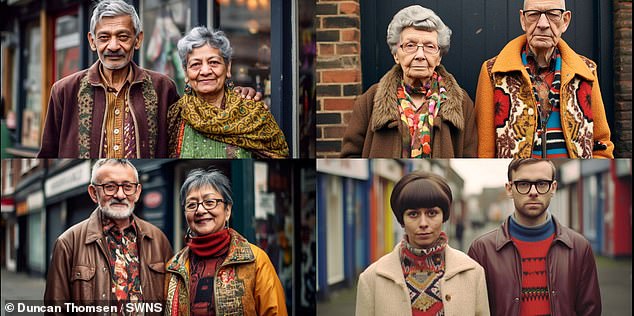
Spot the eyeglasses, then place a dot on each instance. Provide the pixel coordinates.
(112, 188)
(411, 47)
(208, 204)
(542, 186)
(553, 15)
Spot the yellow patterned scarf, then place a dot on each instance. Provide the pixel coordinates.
(243, 123)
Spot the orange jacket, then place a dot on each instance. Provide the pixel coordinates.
(246, 271)
(506, 129)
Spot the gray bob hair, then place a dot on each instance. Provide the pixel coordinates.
(421, 19)
(112, 8)
(200, 36)
(199, 178)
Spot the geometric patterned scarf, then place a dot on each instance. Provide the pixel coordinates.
(423, 269)
(243, 123)
(420, 120)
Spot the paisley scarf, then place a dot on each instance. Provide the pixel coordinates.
(243, 123)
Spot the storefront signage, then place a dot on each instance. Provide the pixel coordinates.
(152, 199)
(388, 168)
(69, 179)
(35, 201)
(351, 168)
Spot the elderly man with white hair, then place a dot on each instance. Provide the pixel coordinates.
(539, 98)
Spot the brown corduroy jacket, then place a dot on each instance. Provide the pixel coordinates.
(375, 129)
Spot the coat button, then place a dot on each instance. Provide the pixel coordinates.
(103, 295)
(78, 274)
(517, 300)
(447, 297)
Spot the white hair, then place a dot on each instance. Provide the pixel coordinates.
(112, 8)
(563, 4)
(101, 162)
(421, 19)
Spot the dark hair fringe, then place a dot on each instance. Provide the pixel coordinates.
(421, 189)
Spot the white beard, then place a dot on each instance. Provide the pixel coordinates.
(109, 213)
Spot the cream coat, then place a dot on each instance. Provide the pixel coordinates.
(382, 289)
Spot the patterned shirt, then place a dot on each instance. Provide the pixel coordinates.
(547, 83)
(119, 133)
(123, 256)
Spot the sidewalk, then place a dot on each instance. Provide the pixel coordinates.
(615, 281)
(21, 286)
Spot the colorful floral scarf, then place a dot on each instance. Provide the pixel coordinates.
(420, 121)
(243, 123)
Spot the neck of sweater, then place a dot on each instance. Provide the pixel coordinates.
(532, 233)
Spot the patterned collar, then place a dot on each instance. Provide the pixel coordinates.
(531, 61)
(110, 227)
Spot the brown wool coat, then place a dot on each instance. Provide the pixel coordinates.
(375, 129)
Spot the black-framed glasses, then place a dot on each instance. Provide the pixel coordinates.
(553, 15)
(111, 188)
(542, 186)
(411, 47)
(208, 204)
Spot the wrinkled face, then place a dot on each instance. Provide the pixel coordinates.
(203, 221)
(531, 207)
(544, 34)
(120, 205)
(419, 65)
(115, 41)
(422, 226)
(207, 71)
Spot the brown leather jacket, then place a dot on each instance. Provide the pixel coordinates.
(572, 273)
(80, 272)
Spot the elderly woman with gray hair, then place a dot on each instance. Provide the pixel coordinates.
(417, 110)
(219, 272)
(211, 120)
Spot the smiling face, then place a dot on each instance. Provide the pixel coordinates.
(202, 221)
(207, 71)
(422, 226)
(119, 205)
(115, 41)
(417, 66)
(544, 34)
(530, 208)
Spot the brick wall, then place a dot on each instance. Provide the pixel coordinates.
(623, 78)
(338, 70)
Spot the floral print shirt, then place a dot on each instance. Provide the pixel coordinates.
(123, 256)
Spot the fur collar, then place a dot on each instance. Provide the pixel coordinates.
(386, 114)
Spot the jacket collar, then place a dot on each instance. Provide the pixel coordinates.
(503, 237)
(386, 114)
(94, 78)
(390, 268)
(239, 252)
(95, 229)
(510, 60)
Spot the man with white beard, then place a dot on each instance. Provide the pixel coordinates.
(113, 256)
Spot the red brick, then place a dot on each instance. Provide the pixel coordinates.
(326, 49)
(349, 35)
(345, 49)
(333, 76)
(333, 131)
(338, 104)
(349, 8)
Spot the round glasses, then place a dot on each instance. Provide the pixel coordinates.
(208, 204)
(542, 186)
(553, 15)
(112, 188)
(411, 47)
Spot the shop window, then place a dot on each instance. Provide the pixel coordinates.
(32, 113)
(164, 23)
(66, 45)
(247, 24)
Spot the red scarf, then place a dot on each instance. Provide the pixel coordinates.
(210, 245)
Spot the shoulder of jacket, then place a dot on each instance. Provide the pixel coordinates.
(71, 80)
